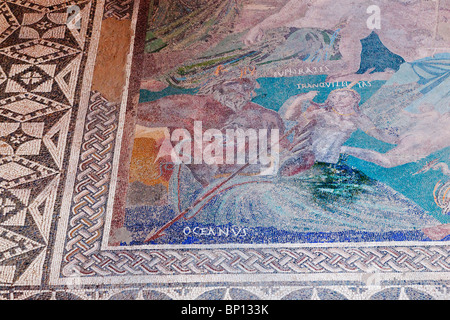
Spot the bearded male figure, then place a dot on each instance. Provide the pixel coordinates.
(225, 105)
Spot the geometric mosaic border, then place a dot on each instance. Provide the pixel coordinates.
(351, 291)
(42, 68)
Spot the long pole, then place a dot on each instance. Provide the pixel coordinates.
(155, 234)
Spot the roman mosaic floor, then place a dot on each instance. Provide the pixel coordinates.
(72, 76)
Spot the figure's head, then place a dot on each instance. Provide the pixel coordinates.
(344, 101)
(235, 93)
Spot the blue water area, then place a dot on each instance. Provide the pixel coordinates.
(375, 55)
(273, 92)
(418, 188)
(186, 232)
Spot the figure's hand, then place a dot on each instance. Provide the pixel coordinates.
(294, 109)
(300, 148)
(298, 155)
(253, 36)
(310, 95)
(302, 138)
(303, 97)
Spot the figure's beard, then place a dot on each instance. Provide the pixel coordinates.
(233, 102)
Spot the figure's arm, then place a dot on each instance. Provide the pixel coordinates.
(429, 114)
(366, 125)
(411, 115)
(292, 109)
(298, 156)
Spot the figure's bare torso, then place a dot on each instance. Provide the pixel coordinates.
(330, 133)
(182, 111)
